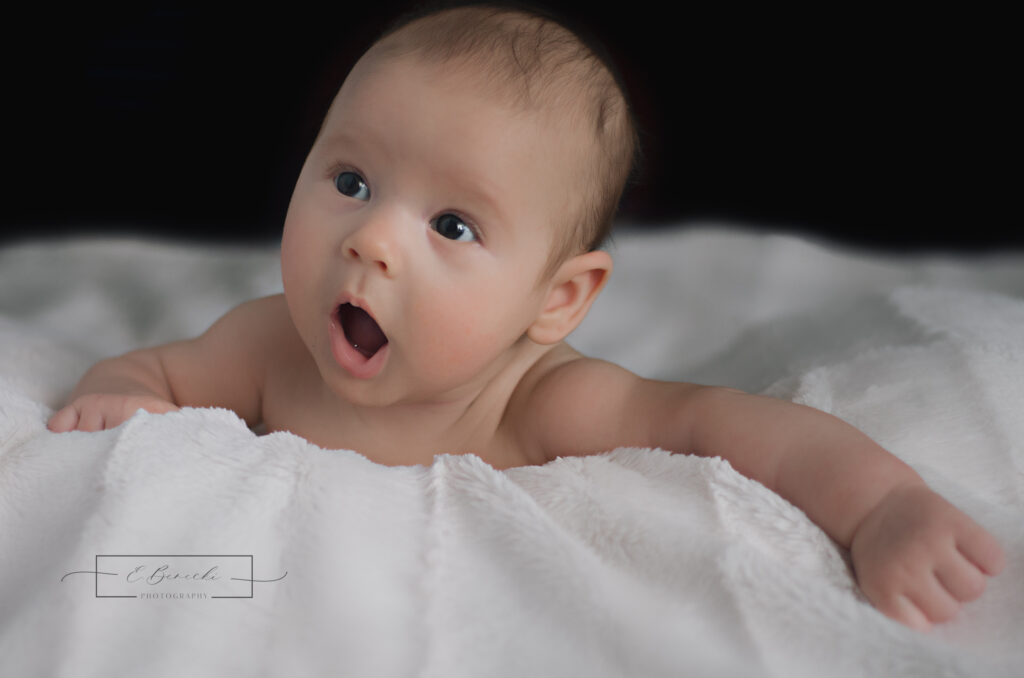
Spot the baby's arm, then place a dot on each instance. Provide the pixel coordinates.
(916, 557)
(223, 367)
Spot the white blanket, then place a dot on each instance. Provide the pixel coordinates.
(632, 563)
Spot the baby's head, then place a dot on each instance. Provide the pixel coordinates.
(536, 66)
(467, 167)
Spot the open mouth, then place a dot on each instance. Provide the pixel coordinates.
(361, 331)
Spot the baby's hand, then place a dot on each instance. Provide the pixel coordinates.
(917, 558)
(100, 411)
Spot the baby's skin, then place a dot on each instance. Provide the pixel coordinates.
(419, 316)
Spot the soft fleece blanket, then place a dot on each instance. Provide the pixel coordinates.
(631, 563)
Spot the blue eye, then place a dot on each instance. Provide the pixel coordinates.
(452, 227)
(352, 185)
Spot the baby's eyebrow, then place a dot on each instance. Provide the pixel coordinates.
(477, 193)
(344, 141)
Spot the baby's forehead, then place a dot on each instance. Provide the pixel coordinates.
(557, 109)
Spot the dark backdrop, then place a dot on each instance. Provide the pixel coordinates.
(861, 125)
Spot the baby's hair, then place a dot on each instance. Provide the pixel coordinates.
(532, 59)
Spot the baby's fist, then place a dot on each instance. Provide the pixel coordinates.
(100, 411)
(918, 558)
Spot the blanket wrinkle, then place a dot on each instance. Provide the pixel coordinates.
(433, 555)
(527, 552)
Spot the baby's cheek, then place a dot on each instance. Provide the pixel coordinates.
(299, 274)
(291, 259)
(456, 341)
(301, 258)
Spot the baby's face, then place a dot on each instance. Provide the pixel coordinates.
(434, 208)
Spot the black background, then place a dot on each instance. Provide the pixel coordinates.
(855, 124)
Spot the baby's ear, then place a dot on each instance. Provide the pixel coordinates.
(573, 288)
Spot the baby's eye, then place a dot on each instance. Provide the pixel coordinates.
(352, 185)
(452, 227)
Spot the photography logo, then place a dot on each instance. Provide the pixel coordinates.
(180, 577)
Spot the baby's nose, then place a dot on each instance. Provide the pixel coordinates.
(374, 243)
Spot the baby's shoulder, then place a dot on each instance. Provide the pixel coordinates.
(570, 404)
(226, 366)
(265, 314)
(566, 374)
(260, 328)
(269, 309)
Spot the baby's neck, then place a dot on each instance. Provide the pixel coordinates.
(397, 429)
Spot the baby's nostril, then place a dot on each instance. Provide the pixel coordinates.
(371, 256)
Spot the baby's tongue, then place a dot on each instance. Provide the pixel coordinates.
(362, 332)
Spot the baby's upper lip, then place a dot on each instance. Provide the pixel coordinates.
(357, 301)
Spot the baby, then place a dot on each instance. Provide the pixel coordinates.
(441, 243)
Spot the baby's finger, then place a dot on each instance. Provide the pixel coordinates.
(931, 598)
(906, 612)
(982, 549)
(63, 420)
(961, 578)
(161, 407)
(91, 420)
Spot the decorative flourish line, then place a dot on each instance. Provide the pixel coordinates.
(112, 574)
(263, 581)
